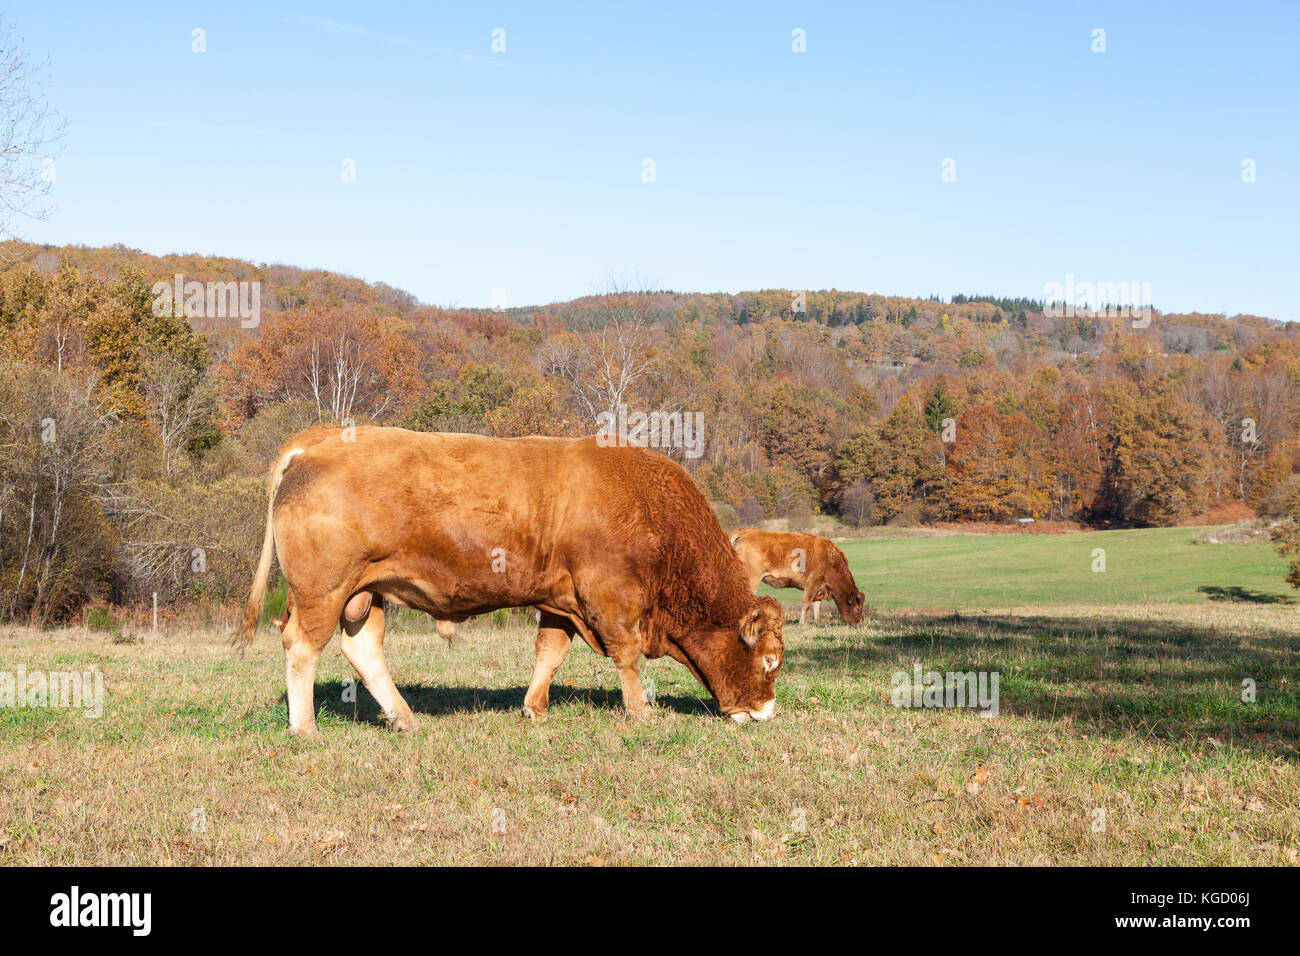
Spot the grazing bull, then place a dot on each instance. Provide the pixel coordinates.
(790, 559)
(614, 544)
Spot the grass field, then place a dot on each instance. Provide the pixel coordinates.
(1133, 710)
(1162, 565)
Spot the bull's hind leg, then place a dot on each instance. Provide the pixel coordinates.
(363, 646)
(306, 633)
(554, 638)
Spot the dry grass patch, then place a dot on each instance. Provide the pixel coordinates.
(1132, 711)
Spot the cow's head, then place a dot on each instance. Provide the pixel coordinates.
(850, 604)
(744, 676)
(849, 601)
(738, 664)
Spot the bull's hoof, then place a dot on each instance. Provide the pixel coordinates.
(640, 712)
(304, 733)
(528, 713)
(402, 722)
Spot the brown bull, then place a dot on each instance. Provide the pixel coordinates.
(790, 559)
(614, 544)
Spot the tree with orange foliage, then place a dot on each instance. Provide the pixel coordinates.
(992, 467)
(351, 365)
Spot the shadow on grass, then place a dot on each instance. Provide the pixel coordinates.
(1246, 595)
(1144, 679)
(442, 700)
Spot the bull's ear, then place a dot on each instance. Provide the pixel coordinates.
(749, 626)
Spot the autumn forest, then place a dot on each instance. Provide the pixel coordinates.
(136, 438)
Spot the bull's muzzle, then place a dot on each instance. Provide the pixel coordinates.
(766, 712)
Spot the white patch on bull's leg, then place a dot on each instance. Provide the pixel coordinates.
(817, 612)
(365, 652)
(300, 657)
(739, 716)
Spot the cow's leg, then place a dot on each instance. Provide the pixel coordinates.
(627, 658)
(305, 634)
(363, 646)
(817, 612)
(554, 638)
(613, 604)
(803, 610)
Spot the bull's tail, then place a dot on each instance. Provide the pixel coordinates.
(253, 609)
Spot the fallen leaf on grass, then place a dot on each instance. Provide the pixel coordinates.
(331, 842)
(1028, 803)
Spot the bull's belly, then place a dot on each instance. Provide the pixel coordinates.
(461, 598)
(774, 581)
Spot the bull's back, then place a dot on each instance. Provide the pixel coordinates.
(464, 503)
(393, 487)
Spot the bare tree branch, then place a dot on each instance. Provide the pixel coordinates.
(28, 130)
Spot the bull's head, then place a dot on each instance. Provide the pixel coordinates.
(748, 687)
(739, 665)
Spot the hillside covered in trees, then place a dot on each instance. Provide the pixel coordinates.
(136, 438)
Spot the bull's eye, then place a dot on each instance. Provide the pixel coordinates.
(770, 663)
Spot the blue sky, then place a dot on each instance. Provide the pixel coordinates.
(523, 170)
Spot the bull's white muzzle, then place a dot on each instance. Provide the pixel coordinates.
(763, 713)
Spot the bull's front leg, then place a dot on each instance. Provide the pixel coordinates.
(627, 658)
(554, 639)
(817, 612)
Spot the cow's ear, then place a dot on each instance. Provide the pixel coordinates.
(749, 627)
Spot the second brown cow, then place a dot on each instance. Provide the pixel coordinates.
(791, 559)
